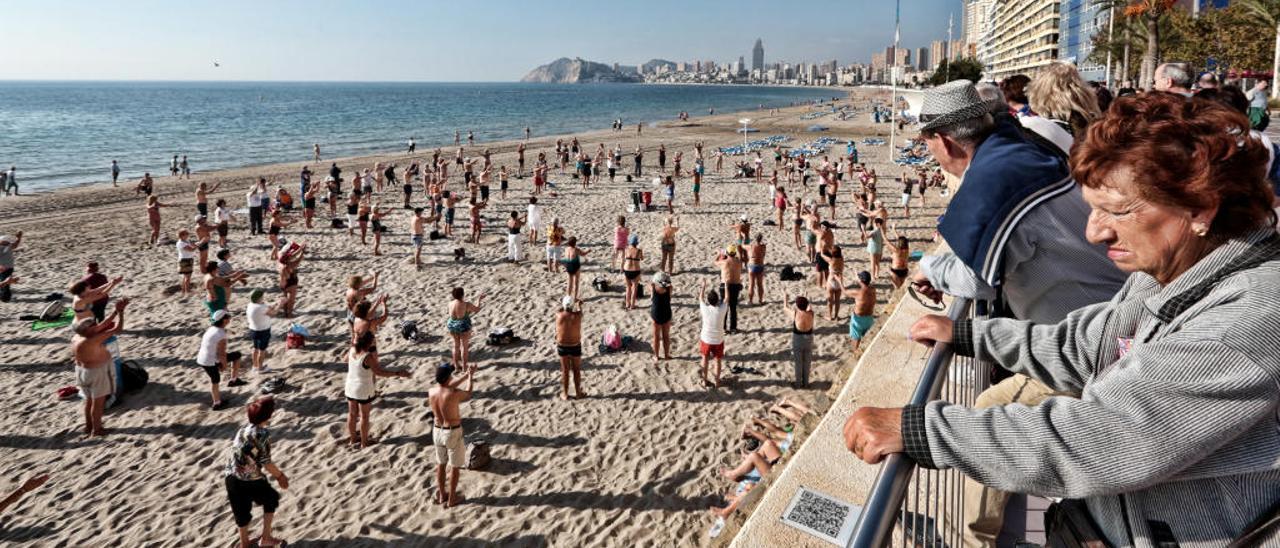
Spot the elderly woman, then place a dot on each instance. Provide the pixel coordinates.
(1064, 105)
(1173, 438)
(246, 474)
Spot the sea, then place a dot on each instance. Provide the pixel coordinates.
(61, 134)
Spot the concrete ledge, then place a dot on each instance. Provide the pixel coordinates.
(885, 375)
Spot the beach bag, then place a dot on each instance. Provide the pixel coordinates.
(294, 340)
(435, 235)
(459, 253)
(337, 223)
(500, 336)
(789, 274)
(272, 386)
(629, 178)
(133, 377)
(53, 311)
(409, 330)
(611, 340)
(478, 457)
(600, 284)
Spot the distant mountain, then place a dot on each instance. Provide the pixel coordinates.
(653, 64)
(578, 71)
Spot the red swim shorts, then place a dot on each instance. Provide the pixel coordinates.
(711, 350)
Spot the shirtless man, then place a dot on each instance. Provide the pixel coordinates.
(864, 306)
(417, 226)
(94, 365)
(730, 284)
(202, 197)
(446, 430)
(755, 269)
(569, 345)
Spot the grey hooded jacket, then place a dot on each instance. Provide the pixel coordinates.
(1176, 434)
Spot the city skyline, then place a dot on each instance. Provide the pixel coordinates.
(398, 40)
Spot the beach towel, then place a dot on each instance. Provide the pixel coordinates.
(62, 321)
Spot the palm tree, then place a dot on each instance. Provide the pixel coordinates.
(1268, 12)
(1151, 12)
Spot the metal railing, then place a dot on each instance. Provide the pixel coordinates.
(927, 504)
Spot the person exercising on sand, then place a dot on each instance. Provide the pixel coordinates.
(569, 345)
(446, 430)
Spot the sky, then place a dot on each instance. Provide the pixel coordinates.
(429, 40)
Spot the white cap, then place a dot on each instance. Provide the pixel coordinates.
(566, 303)
(217, 316)
(743, 217)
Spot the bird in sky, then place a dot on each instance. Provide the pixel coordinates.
(217, 64)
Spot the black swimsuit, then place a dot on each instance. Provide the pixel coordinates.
(660, 307)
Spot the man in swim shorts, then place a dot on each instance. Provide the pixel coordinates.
(569, 345)
(95, 366)
(446, 430)
(863, 309)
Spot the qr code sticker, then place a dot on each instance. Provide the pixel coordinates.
(821, 515)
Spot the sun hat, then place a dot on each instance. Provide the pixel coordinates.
(951, 103)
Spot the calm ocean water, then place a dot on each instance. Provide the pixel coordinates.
(61, 134)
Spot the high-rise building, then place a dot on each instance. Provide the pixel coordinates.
(922, 58)
(1081, 21)
(937, 52)
(1197, 6)
(757, 56)
(877, 67)
(903, 57)
(957, 50)
(977, 15)
(1024, 37)
(740, 67)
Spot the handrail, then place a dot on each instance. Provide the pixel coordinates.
(879, 512)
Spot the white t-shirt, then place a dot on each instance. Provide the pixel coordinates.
(222, 215)
(186, 250)
(535, 216)
(713, 322)
(255, 197)
(259, 320)
(208, 355)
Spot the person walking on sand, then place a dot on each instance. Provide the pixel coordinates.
(363, 368)
(730, 265)
(801, 316)
(316, 150)
(668, 246)
(632, 256)
(115, 173)
(660, 313)
(711, 339)
(459, 324)
(569, 345)
(246, 474)
(864, 306)
(755, 269)
(213, 357)
(572, 262)
(11, 179)
(95, 370)
(446, 430)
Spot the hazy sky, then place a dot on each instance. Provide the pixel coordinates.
(427, 40)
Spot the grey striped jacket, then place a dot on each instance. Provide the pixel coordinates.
(1176, 435)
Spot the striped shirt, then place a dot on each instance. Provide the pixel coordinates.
(1176, 434)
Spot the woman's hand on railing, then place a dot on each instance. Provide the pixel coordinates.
(930, 329)
(873, 433)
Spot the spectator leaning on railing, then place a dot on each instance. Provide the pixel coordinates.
(1175, 439)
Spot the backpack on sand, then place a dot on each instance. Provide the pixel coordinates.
(600, 284)
(53, 311)
(132, 376)
(478, 456)
(500, 336)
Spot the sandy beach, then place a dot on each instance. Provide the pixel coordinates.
(634, 463)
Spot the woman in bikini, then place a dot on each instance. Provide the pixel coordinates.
(660, 313)
(835, 281)
(901, 254)
(288, 266)
(572, 262)
(273, 232)
(362, 216)
(459, 325)
(797, 221)
(84, 296)
(631, 259)
(153, 218)
(363, 368)
(620, 236)
(366, 321)
(668, 246)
